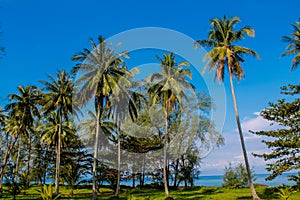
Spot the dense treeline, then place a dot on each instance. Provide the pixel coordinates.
(51, 133)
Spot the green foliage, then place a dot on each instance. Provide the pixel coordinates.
(47, 192)
(76, 163)
(285, 192)
(284, 142)
(224, 53)
(235, 177)
(294, 45)
(12, 180)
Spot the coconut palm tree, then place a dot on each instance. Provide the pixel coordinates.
(98, 70)
(58, 97)
(224, 54)
(294, 45)
(23, 109)
(169, 89)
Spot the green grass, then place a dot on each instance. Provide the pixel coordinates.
(191, 193)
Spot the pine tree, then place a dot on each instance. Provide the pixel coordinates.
(284, 142)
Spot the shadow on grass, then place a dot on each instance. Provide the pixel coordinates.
(196, 193)
(100, 197)
(268, 193)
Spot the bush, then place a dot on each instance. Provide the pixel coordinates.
(285, 192)
(46, 192)
(235, 177)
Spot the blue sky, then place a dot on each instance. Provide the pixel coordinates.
(42, 36)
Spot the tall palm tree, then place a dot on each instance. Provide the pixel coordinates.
(294, 45)
(169, 89)
(224, 54)
(23, 110)
(58, 97)
(98, 71)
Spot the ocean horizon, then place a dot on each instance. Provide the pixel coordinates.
(212, 180)
(217, 180)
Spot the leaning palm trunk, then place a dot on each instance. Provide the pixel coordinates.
(5, 159)
(254, 195)
(96, 154)
(58, 156)
(165, 155)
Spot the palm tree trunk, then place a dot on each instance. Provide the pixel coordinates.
(96, 154)
(254, 195)
(18, 155)
(58, 155)
(5, 159)
(176, 172)
(119, 157)
(28, 162)
(142, 176)
(119, 165)
(165, 154)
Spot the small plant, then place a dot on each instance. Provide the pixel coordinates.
(46, 192)
(131, 197)
(284, 193)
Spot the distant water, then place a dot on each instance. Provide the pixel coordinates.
(218, 180)
(260, 179)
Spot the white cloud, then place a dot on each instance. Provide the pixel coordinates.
(231, 152)
(258, 123)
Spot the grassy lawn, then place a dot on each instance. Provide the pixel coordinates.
(180, 194)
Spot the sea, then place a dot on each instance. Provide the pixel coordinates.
(217, 180)
(214, 180)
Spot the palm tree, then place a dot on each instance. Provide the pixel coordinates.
(225, 54)
(23, 110)
(58, 97)
(168, 88)
(294, 45)
(99, 70)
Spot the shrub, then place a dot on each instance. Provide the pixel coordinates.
(235, 177)
(285, 192)
(47, 192)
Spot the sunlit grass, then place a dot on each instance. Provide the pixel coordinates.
(191, 193)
